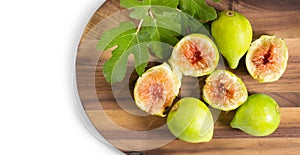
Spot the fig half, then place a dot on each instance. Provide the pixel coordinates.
(156, 89)
(267, 58)
(224, 91)
(195, 55)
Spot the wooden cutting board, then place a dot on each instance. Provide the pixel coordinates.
(128, 132)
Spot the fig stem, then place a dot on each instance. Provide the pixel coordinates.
(230, 13)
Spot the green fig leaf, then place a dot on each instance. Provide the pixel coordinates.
(136, 3)
(198, 9)
(189, 25)
(129, 40)
(164, 30)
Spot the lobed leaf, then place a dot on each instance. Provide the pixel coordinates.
(198, 9)
(137, 3)
(129, 40)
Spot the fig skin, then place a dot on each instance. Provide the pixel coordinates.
(200, 58)
(267, 58)
(229, 91)
(156, 89)
(233, 34)
(191, 121)
(258, 116)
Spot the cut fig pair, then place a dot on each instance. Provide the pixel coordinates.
(197, 55)
(194, 55)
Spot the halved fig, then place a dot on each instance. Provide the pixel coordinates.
(156, 89)
(195, 55)
(267, 58)
(224, 91)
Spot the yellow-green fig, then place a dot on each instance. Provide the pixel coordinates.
(258, 116)
(190, 120)
(233, 34)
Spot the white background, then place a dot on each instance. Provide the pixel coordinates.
(38, 41)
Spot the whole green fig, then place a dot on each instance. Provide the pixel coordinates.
(190, 120)
(233, 35)
(258, 116)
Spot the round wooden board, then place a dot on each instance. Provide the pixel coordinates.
(128, 132)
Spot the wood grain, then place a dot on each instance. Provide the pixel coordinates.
(106, 110)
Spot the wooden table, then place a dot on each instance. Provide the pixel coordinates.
(280, 17)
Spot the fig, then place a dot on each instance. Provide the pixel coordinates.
(156, 89)
(195, 55)
(267, 58)
(191, 121)
(233, 34)
(258, 116)
(224, 91)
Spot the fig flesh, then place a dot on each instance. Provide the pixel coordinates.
(233, 34)
(190, 120)
(267, 58)
(195, 55)
(156, 89)
(224, 91)
(258, 116)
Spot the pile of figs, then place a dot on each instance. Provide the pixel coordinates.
(197, 55)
